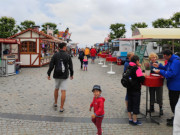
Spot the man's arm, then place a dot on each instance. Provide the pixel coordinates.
(51, 66)
(71, 67)
(172, 71)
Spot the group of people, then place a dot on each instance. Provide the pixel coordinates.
(61, 62)
(170, 71)
(84, 55)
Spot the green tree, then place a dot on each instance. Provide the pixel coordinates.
(117, 30)
(176, 20)
(51, 25)
(138, 25)
(162, 23)
(26, 24)
(7, 27)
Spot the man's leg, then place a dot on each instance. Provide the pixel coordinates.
(56, 95)
(63, 97)
(173, 97)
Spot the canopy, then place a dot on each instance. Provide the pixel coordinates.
(157, 33)
(8, 41)
(129, 39)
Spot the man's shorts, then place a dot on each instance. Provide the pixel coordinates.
(61, 83)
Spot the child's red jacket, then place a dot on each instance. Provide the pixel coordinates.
(98, 104)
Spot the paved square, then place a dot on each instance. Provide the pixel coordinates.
(26, 104)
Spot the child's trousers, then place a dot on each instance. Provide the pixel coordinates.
(97, 122)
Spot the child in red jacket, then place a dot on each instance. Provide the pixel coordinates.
(98, 104)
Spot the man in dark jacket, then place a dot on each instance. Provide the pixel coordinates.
(61, 63)
(171, 71)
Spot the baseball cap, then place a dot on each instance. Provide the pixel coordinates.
(96, 87)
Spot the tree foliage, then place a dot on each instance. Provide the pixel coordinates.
(138, 25)
(162, 23)
(51, 25)
(7, 27)
(26, 24)
(176, 20)
(117, 30)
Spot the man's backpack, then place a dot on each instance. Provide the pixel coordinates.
(60, 69)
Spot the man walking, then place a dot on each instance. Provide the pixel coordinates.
(61, 63)
(171, 71)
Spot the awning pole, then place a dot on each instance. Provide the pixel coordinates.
(173, 46)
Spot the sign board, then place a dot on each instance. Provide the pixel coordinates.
(140, 50)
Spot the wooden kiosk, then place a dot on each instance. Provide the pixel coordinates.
(36, 48)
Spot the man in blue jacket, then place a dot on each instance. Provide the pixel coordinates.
(171, 72)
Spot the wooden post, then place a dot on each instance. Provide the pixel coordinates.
(173, 46)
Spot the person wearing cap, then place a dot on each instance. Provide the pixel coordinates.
(98, 105)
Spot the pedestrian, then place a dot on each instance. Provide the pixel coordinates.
(61, 63)
(81, 57)
(176, 127)
(126, 64)
(134, 90)
(171, 71)
(85, 63)
(98, 105)
(156, 93)
(93, 54)
(87, 52)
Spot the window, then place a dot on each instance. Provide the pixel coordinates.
(28, 47)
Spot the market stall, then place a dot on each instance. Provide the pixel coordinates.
(8, 56)
(36, 48)
(158, 34)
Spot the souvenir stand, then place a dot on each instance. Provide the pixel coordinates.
(36, 48)
(8, 56)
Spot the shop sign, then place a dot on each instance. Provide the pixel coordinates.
(10, 62)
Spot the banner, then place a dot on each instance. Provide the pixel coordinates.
(140, 50)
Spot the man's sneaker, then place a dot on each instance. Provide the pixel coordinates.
(130, 122)
(137, 123)
(61, 110)
(170, 120)
(170, 124)
(161, 112)
(54, 105)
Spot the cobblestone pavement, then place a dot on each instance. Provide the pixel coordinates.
(26, 104)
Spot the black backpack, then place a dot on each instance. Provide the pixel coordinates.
(60, 68)
(81, 55)
(126, 78)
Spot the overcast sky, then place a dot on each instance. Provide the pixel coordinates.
(89, 20)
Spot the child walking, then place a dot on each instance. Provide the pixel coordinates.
(98, 105)
(85, 62)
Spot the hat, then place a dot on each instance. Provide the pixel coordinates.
(96, 87)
